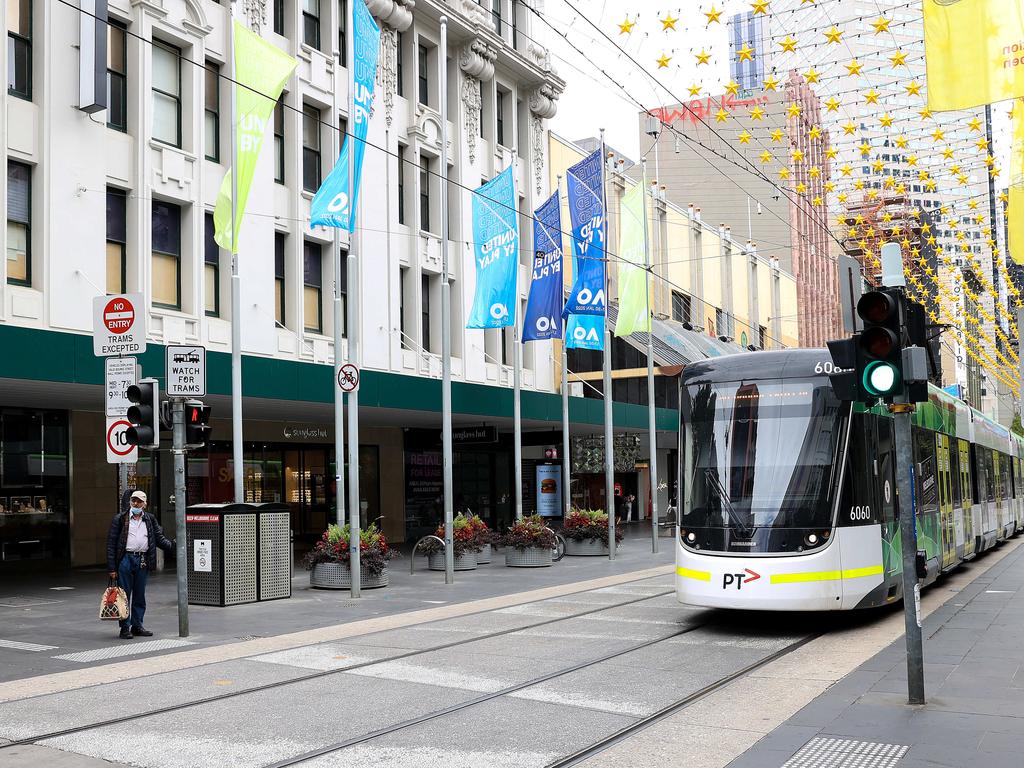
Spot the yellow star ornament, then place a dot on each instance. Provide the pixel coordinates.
(766, 157)
(732, 88)
(788, 44)
(668, 22)
(886, 120)
(849, 129)
(833, 35)
(663, 61)
(760, 7)
(694, 89)
(854, 68)
(703, 57)
(832, 104)
(777, 136)
(714, 15)
(721, 115)
(626, 26)
(812, 75)
(793, 110)
(771, 84)
(881, 24)
(757, 114)
(746, 53)
(914, 89)
(744, 137)
(871, 97)
(898, 59)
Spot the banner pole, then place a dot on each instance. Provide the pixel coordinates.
(517, 362)
(566, 476)
(651, 421)
(237, 456)
(446, 321)
(339, 322)
(352, 311)
(609, 447)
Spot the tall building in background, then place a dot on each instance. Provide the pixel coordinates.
(791, 228)
(751, 30)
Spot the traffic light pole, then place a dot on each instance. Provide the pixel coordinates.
(180, 537)
(908, 537)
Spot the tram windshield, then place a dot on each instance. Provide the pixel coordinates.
(763, 454)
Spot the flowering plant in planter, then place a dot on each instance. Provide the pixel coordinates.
(529, 533)
(481, 531)
(464, 537)
(592, 524)
(333, 547)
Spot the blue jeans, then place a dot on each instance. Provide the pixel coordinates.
(131, 577)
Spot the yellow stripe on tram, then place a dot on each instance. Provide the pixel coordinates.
(849, 573)
(689, 573)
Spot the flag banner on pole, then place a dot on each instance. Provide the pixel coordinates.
(330, 207)
(496, 246)
(587, 217)
(633, 305)
(585, 332)
(261, 70)
(1015, 207)
(974, 52)
(544, 306)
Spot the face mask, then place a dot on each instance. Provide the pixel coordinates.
(136, 511)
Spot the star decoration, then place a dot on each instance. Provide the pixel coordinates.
(760, 7)
(626, 26)
(865, 148)
(771, 84)
(830, 186)
(871, 97)
(858, 184)
(817, 200)
(798, 155)
(833, 35)
(982, 144)
(1004, 198)
(898, 59)
(713, 15)
(938, 135)
(886, 120)
(901, 142)
(881, 24)
(703, 57)
(814, 172)
(766, 157)
(668, 22)
(947, 153)
(832, 104)
(925, 113)
(777, 135)
(793, 110)
(746, 53)
(831, 153)
(694, 89)
(846, 170)
(849, 129)
(788, 44)
(975, 124)
(744, 137)
(784, 173)
(914, 89)
(812, 75)
(854, 68)
(721, 115)
(815, 132)
(757, 113)
(732, 88)
(877, 166)
(663, 61)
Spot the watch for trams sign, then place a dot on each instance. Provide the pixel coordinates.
(118, 325)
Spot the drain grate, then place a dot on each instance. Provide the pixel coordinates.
(20, 601)
(845, 753)
(249, 637)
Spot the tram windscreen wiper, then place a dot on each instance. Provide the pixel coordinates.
(741, 527)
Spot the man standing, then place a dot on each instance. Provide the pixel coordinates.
(131, 554)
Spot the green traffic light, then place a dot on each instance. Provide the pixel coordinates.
(880, 378)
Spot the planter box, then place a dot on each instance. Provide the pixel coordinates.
(533, 557)
(435, 561)
(586, 548)
(483, 557)
(338, 576)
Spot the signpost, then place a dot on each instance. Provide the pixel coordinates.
(119, 374)
(119, 325)
(186, 371)
(348, 377)
(119, 450)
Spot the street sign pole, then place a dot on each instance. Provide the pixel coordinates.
(651, 415)
(354, 323)
(446, 325)
(609, 445)
(181, 539)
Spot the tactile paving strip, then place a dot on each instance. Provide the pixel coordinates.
(19, 646)
(822, 752)
(126, 649)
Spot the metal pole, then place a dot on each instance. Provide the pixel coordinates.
(566, 472)
(181, 538)
(236, 296)
(609, 447)
(446, 322)
(339, 395)
(908, 535)
(517, 376)
(1020, 350)
(651, 421)
(354, 511)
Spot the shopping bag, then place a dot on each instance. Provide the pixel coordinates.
(114, 604)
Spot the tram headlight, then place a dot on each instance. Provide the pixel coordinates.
(688, 536)
(813, 540)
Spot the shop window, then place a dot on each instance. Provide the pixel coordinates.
(19, 223)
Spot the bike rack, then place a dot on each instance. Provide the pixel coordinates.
(412, 555)
(558, 551)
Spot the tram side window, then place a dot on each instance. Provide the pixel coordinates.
(859, 483)
(1004, 476)
(986, 481)
(954, 472)
(924, 458)
(965, 471)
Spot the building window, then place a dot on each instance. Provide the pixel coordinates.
(166, 255)
(399, 63)
(279, 16)
(279, 304)
(310, 149)
(117, 77)
(166, 94)
(312, 287)
(342, 27)
(480, 116)
(19, 48)
(421, 73)
(212, 115)
(403, 277)
(424, 195)
(762, 337)
(401, 184)
(211, 270)
(499, 116)
(425, 312)
(515, 23)
(279, 141)
(311, 23)
(117, 240)
(496, 14)
(19, 223)
(680, 307)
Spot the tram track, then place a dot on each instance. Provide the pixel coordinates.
(171, 708)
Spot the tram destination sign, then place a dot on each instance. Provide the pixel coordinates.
(118, 325)
(186, 371)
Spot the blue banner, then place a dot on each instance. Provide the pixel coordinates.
(589, 234)
(585, 332)
(544, 306)
(330, 206)
(496, 246)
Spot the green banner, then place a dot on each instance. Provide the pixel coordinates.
(634, 312)
(261, 70)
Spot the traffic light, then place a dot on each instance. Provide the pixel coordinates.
(197, 423)
(880, 344)
(143, 413)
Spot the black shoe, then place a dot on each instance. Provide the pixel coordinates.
(141, 632)
(126, 634)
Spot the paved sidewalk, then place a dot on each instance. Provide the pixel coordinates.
(974, 683)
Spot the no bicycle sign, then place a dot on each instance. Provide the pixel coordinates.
(118, 325)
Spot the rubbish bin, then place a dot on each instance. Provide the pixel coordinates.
(238, 553)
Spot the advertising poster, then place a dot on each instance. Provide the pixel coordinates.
(549, 490)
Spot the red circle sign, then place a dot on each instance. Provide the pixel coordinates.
(348, 377)
(112, 444)
(119, 315)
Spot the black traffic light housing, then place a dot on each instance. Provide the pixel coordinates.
(143, 414)
(880, 345)
(197, 423)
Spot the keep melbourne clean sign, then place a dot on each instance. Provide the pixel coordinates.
(186, 371)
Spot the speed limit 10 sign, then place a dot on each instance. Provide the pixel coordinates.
(119, 450)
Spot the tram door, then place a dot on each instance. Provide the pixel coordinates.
(945, 481)
(997, 460)
(966, 498)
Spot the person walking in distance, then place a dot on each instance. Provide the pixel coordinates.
(131, 554)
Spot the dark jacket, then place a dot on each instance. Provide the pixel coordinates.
(117, 540)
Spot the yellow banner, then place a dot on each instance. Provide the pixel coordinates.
(974, 52)
(1015, 207)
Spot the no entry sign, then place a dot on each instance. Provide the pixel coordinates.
(119, 325)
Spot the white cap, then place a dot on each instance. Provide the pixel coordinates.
(141, 495)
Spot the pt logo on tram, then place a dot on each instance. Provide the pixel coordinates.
(739, 579)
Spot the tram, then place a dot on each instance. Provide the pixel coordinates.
(788, 495)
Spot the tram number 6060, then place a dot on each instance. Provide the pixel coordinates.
(860, 513)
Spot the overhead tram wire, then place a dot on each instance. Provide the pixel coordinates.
(609, 255)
